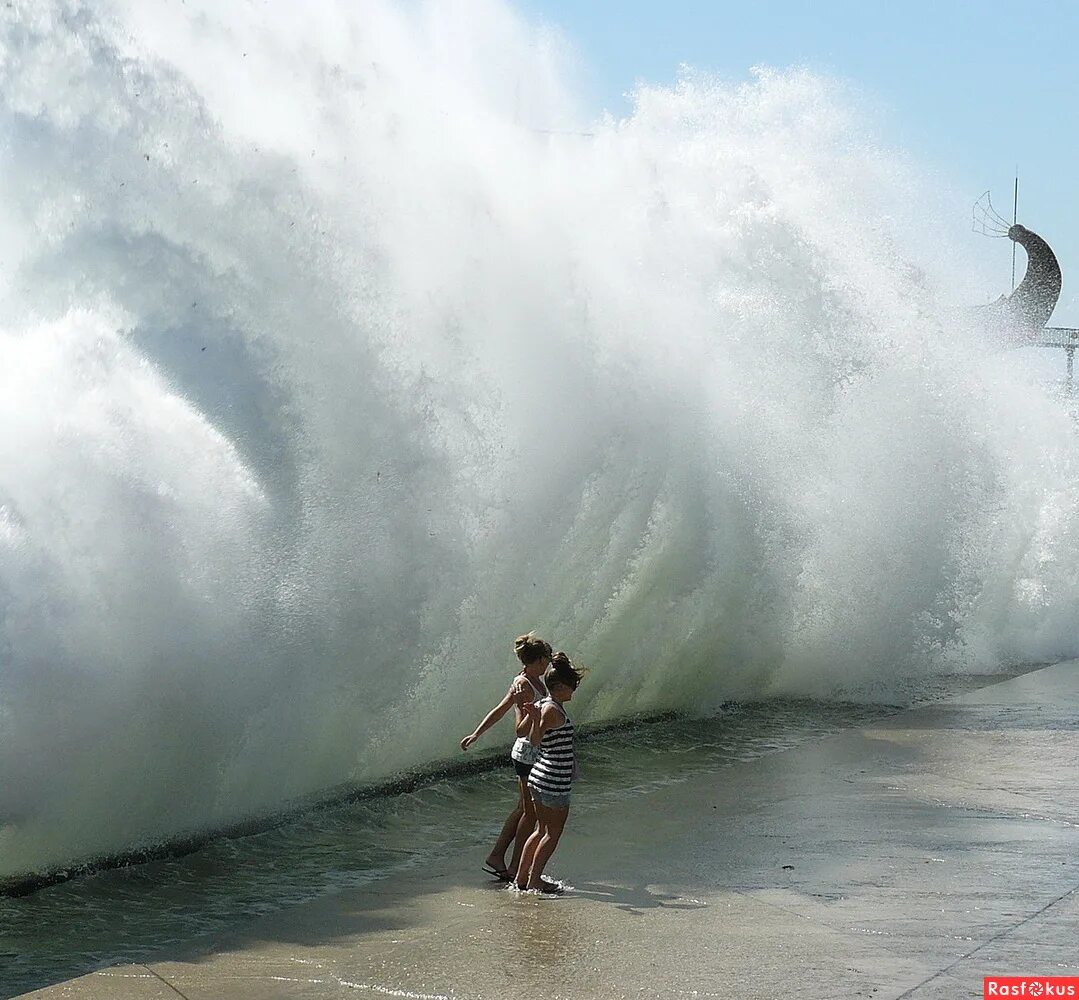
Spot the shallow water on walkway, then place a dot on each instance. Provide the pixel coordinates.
(150, 911)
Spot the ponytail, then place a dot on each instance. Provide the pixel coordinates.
(562, 671)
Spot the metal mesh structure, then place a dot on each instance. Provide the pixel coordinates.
(986, 220)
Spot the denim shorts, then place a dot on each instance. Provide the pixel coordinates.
(551, 800)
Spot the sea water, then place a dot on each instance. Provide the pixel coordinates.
(340, 345)
(166, 908)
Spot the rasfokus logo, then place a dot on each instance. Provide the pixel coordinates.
(1038, 987)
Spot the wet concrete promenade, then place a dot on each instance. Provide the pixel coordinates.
(903, 860)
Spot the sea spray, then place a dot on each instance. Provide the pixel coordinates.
(338, 349)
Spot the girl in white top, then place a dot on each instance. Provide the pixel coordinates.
(527, 689)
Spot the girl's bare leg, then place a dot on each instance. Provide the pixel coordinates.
(528, 852)
(552, 823)
(497, 858)
(525, 827)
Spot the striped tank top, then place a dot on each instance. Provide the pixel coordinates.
(553, 770)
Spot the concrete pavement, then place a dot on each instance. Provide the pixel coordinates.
(902, 860)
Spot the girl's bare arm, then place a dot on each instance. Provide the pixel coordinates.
(527, 716)
(546, 719)
(491, 718)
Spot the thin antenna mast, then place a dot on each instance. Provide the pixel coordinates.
(1015, 219)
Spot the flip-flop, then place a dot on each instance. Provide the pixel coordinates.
(502, 876)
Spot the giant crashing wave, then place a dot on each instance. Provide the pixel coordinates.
(337, 350)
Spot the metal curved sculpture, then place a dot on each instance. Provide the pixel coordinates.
(1027, 310)
(1029, 307)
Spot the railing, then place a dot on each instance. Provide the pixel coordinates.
(1064, 337)
(1058, 336)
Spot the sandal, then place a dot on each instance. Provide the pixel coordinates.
(502, 875)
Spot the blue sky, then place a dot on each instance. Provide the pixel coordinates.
(970, 90)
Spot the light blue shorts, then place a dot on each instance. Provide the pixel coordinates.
(551, 800)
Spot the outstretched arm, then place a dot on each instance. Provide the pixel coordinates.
(492, 716)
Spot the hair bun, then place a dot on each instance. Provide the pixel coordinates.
(530, 647)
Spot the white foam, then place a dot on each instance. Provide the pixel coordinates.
(325, 373)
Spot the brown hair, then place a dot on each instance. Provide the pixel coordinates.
(530, 648)
(562, 671)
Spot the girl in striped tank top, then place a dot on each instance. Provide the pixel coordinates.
(527, 688)
(550, 729)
